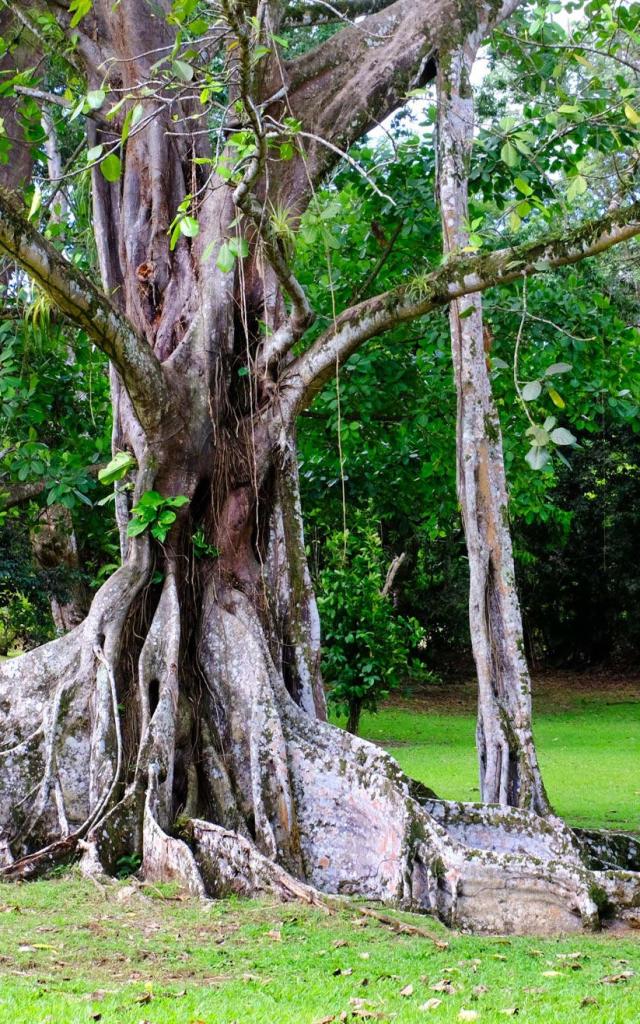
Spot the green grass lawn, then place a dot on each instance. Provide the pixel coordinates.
(589, 753)
(71, 953)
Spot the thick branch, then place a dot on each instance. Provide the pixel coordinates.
(461, 275)
(87, 307)
(316, 12)
(348, 84)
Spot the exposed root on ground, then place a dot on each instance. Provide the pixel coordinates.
(229, 786)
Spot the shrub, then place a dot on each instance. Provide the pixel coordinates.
(367, 646)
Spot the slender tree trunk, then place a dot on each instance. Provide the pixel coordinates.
(353, 718)
(509, 771)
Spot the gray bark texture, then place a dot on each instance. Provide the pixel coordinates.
(509, 772)
(183, 719)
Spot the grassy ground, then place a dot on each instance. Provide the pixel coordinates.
(590, 758)
(71, 953)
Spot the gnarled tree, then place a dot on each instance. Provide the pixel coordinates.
(184, 718)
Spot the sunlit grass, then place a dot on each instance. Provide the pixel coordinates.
(589, 754)
(70, 953)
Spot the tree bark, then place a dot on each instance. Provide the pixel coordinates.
(509, 771)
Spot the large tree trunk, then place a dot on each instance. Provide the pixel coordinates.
(183, 719)
(509, 772)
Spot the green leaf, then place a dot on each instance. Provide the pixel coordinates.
(509, 155)
(225, 260)
(94, 154)
(537, 457)
(79, 9)
(523, 187)
(514, 221)
(189, 226)
(531, 391)
(119, 466)
(150, 499)
(577, 186)
(96, 98)
(562, 436)
(36, 202)
(239, 247)
(631, 114)
(466, 313)
(182, 70)
(137, 114)
(557, 399)
(111, 167)
(557, 368)
(178, 501)
(135, 527)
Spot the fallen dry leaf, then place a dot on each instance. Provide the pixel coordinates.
(510, 1011)
(588, 1001)
(325, 1020)
(430, 1004)
(342, 971)
(364, 956)
(479, 990)
(552, 974)
(468, 1015)
(616, 979)
(339, 943)
(275, 935)
(443, 986)
(406, 991)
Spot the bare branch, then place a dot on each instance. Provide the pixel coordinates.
(461, 275)
(90, 309)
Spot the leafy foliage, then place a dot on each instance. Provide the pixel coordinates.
(155, 513)
(368, 645)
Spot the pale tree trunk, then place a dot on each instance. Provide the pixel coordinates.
(509, 771)
(183, 718)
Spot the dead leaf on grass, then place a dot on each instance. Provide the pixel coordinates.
(406, 991)
(589, 1001)
(443, 986)
(430, 1004)
(468, 1015)
(616, 979)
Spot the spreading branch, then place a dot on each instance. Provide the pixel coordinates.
(318, 12)
(89, 309)
(345, 86)
(460, 275)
